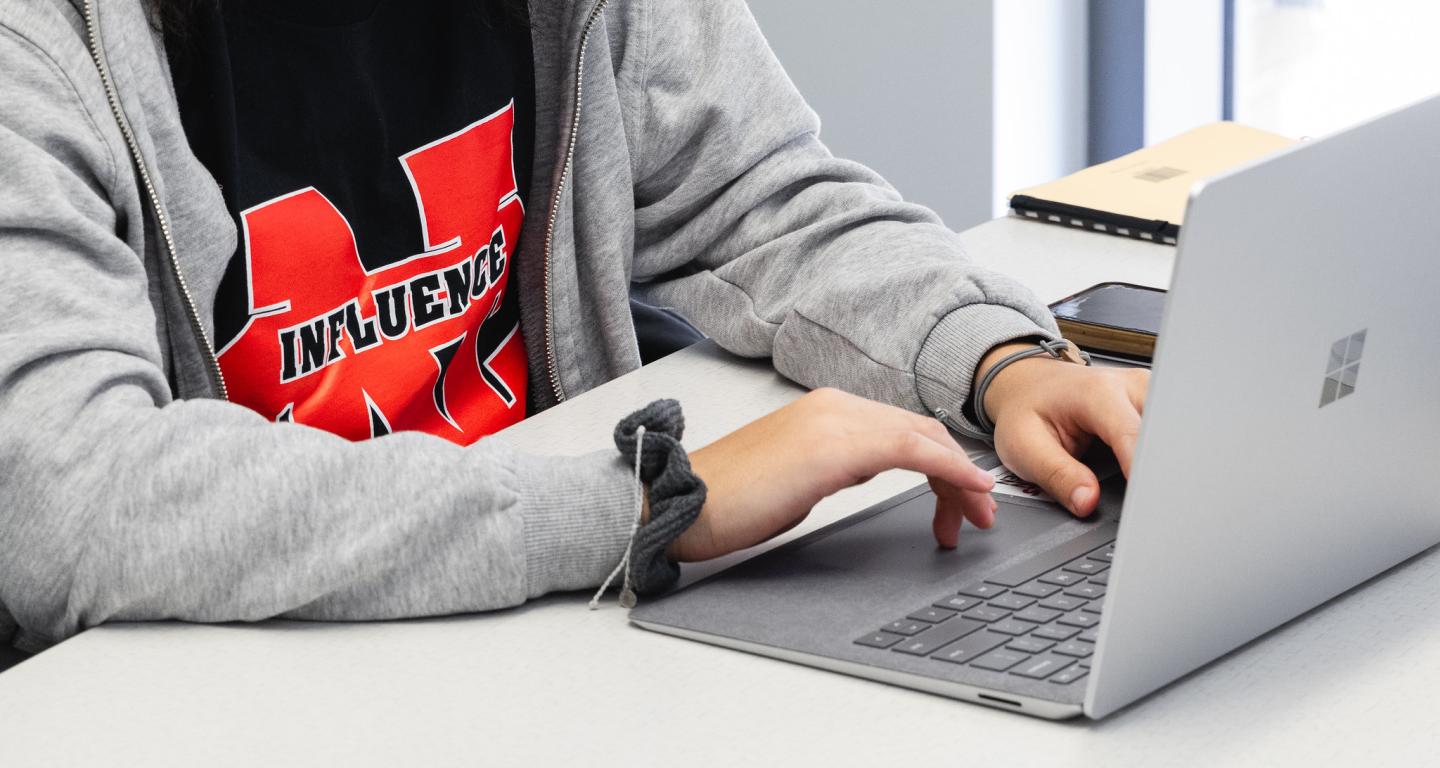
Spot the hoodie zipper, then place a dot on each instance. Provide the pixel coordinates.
(92, 32)
(550, 357)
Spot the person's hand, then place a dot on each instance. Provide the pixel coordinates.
(1047, 412)
(764, 478)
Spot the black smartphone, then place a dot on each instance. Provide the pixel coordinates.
(1118, 320)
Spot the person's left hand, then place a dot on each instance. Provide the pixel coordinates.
(1047, 412)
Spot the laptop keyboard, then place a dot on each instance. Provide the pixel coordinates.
(1038, 619)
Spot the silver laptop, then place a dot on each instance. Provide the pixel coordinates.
(1288, 452)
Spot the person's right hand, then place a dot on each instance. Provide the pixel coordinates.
(764, 478)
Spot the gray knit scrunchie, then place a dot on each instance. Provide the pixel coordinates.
(676, 492)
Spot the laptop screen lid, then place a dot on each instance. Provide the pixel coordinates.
(1292, 429)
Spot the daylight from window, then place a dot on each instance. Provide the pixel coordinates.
(1311, 67)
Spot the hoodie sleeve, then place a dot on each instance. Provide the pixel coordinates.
(118, 502)
(748, 225)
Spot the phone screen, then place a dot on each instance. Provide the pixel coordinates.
(1117, 306)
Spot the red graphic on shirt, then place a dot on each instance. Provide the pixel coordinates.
(420, 344)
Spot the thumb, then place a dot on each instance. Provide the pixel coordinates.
(1034, 451)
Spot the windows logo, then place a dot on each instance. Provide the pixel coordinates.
(1343, 369)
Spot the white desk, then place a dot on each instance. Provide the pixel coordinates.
(552, 683)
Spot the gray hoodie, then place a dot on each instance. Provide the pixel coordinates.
(674, 163)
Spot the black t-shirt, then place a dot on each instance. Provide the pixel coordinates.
(376, 156)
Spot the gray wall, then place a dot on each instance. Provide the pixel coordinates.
(907, 92)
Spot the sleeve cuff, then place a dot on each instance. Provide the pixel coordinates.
(578, 516)
(945, 367)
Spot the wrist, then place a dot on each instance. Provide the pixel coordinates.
(695, 542)
(998, 353)
(995, 393)
(1008, 370)
(670, 494)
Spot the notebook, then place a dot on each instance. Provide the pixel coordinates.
(1143, 194)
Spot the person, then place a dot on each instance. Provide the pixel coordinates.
(274, 272)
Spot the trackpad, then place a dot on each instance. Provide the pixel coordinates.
(899, 543)
(818, 591)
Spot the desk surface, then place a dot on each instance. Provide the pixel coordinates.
(1351, 683)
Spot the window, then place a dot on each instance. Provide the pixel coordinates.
(1295, 67)
(1311, 67)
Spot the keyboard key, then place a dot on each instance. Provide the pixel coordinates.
(1065, 677)
(1062, 578)
(1036, 589)
(1055, 632)
(999, 660)
(986, 613)
(970, 646)
(958, 603)
(1086, 591)
(1074, 648)
(1037, 614)
(1087, 567)
(1011, 602)
(1090, 635)
(1011, 627)
(1096, 606)
(1062, 603)
(932, 615)
(1041, 667)
(1084, 663)
(879, 639)
(1104, 554)
(1028, 645)
(983, 590)
(936, 637)
(905, 627)
(1051, 559)
(1103, 579)
(1079, 619)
